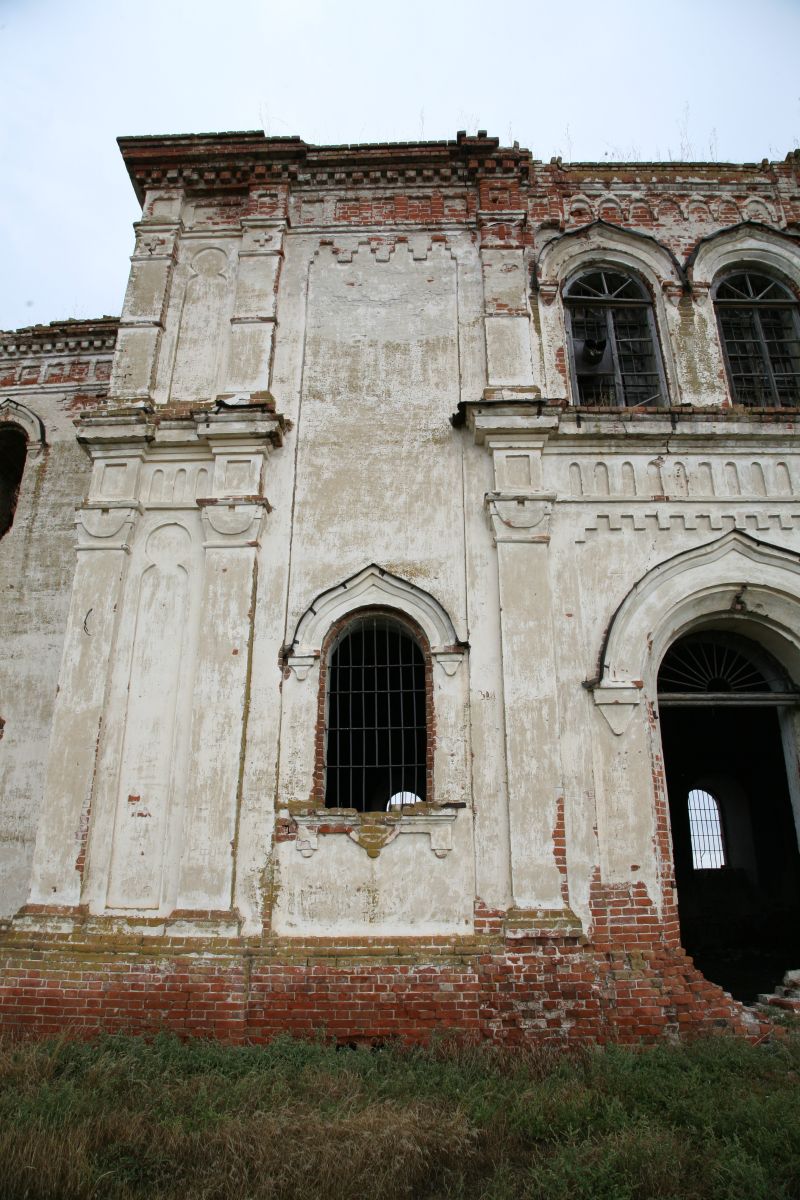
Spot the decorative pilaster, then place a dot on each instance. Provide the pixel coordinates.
(220, 701)
(506, 313)
(521, 525)
(143, 777)
(105, 532)
(253, 320)
(144, 308)
(509, 424)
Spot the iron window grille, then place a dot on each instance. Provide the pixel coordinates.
(759, 323)
(376, 737)
(705, 830)
(614, 353)
(718, 668)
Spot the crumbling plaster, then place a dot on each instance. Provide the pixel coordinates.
(317, 379)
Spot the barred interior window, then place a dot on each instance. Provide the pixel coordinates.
(759, 323)
(705, 830)
(376, 735)
(613, 345)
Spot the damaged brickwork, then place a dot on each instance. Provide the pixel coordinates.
(513, 408)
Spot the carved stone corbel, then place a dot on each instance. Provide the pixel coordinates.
(448, 658)
(106, 526)
(373, 837)
(231, 523)
(301, 664)
(547, 293)
(373, 832)
(520, 517)
(700, 290)
(617, 702)
(673, 292)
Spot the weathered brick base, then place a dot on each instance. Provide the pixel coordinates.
(526, 985)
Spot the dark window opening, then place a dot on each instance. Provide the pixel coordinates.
(759, 321)
(13, 449)
(613, 345)
(722, 700)
(377, 731)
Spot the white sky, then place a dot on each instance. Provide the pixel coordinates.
(585, 79)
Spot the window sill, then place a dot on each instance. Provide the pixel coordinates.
(372, 831)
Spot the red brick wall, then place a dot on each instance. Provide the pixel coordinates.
(628, 985)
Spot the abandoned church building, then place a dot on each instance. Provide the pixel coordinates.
(400, 604)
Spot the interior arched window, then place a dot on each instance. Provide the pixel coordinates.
(705, 830)
(13, 449)
(759, 323)
(376, 737)
(613, 345)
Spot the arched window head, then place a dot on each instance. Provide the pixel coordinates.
(376, 735)
(13, 449)
(613, 345)
(719, 663)
(705, 830)
(759, 325)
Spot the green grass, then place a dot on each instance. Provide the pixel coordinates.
(120, 1118)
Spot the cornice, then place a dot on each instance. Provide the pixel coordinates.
(60, 337)
(502, 414)
(239, 161)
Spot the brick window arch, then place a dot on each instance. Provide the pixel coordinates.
(759, 325)
(614, 352)
(374, 745)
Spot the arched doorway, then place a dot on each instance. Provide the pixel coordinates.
(727, 711)
(13, 449)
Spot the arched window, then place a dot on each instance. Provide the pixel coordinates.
(705, 830)
(613, 345)
(717, 663)
(376, 735)
(759, 326)
(13, 449)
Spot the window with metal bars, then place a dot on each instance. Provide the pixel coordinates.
(376, 736)
(705, 830)
(614, 353)
(759, 323)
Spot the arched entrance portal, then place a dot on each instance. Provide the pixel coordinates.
(727, 710)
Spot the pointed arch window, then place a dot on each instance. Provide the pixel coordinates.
(377, 721)
(759, 324)
(614, 353)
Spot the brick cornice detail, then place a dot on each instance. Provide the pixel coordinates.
(239, 161)
(61, 337)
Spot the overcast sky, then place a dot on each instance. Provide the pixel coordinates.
(587, 80)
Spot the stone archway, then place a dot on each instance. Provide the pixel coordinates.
(727, 710)
(735, 587)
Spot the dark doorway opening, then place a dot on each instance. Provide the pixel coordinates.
(737, 866)
(13, 450)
